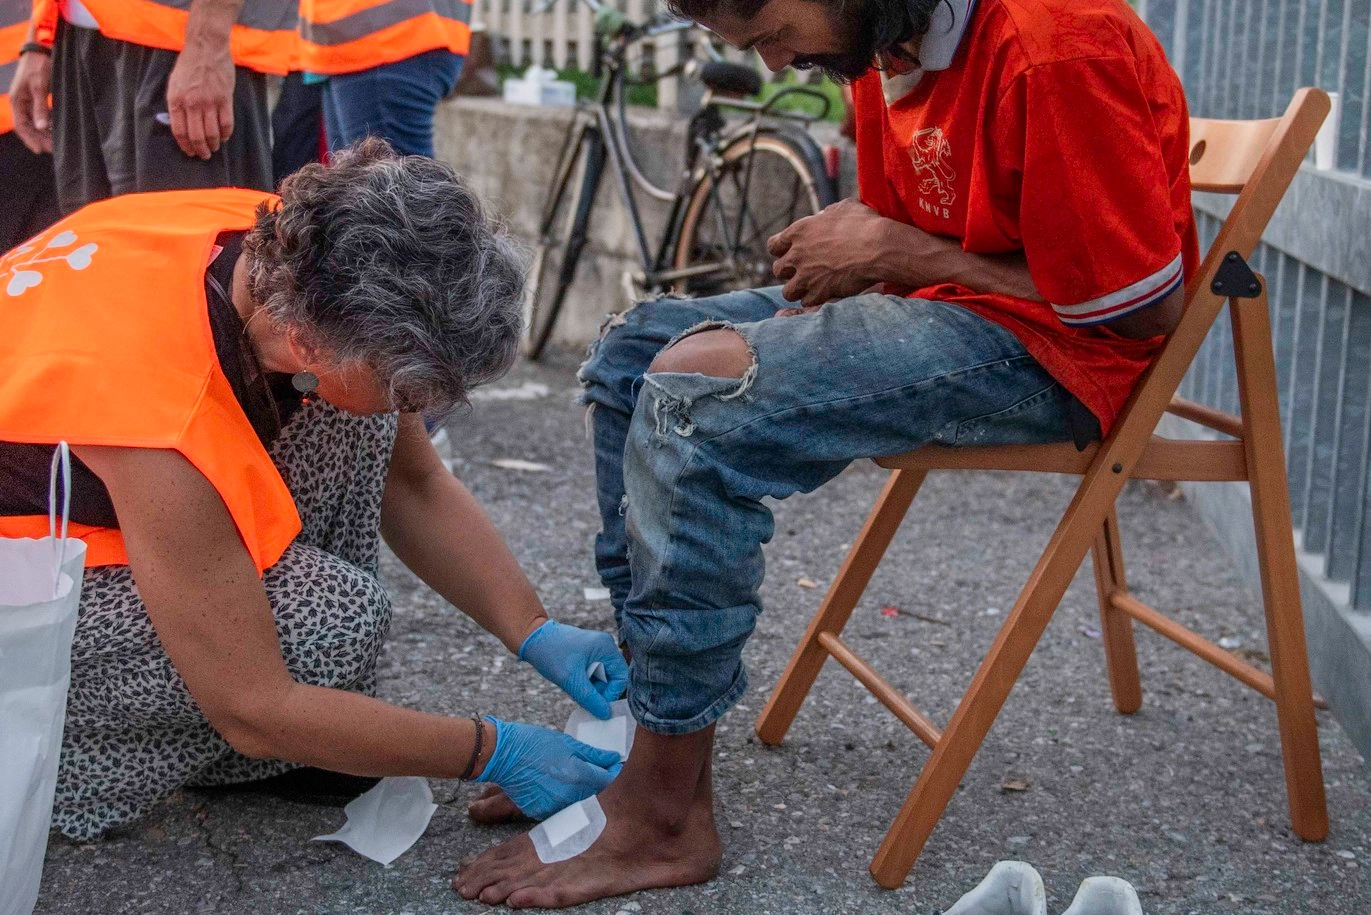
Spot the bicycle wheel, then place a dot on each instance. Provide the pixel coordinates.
(561, 236)
(760, 187)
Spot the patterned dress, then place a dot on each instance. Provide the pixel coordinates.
(133, 733)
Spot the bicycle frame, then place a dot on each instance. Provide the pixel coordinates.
(709, 133)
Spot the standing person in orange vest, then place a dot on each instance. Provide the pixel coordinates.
(388, 65)
(151, 95)
(26, 181)
(239, 376)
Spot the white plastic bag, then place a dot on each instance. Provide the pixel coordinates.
(40, 587)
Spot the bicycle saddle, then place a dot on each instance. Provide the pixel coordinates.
(730, 78)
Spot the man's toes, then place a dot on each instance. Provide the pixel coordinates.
(536, 897)
(498, 892)
(491, 857)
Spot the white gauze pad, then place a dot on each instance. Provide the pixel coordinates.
(568, 833)
(383, 823)
(616, 734)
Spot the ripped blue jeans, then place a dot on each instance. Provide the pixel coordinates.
(683, 461)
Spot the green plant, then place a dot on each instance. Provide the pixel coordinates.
(831, 90)
(645, 93)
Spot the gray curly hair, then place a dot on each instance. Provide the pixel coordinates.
(391, 261)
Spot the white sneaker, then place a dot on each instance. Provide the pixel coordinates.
(1011, 888)
(1105, 896)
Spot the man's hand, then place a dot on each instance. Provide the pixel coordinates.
(200, 89)
(830, 255)
(29, 100)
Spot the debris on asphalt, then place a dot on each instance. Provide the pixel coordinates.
(892, 610)
(520, 464)
(529, 390)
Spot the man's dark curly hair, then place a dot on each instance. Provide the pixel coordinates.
(877, 26)
(391, 261)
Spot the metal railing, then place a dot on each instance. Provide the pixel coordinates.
(1244, 59)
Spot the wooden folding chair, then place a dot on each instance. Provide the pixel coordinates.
(1255, 160)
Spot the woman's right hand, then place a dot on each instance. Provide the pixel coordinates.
(543, 770)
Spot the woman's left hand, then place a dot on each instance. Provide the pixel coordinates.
(565, 654)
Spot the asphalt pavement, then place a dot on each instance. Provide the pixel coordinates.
(1185, 799)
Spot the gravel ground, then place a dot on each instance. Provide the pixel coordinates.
(1184, 799)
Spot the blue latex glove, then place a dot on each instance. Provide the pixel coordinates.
(564, 655)
(543, 770)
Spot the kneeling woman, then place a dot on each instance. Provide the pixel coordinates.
(241, 378)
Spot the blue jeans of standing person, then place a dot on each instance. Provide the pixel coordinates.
(684, 461)
(393, 101)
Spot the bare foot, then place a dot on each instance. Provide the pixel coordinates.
(659, 832)
(492, 806)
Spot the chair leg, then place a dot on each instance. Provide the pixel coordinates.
(842, 597)
(1116, 629)
(1279, 572)
(997, 675)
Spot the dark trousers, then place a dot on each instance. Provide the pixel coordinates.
(393, 101)
(29, 191)
(297, 126)
(109, 135)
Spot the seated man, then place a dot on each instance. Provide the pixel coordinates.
(1025, 212)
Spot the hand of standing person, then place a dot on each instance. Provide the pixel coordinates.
(200, 89)
(29, 100)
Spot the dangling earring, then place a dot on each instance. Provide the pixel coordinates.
(306, 383)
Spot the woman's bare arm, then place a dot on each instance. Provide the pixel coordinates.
(437, 529)
(212, 616)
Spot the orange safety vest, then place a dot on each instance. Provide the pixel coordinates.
(107, 341)
(14, 26)
(263, 39)
(344, 36)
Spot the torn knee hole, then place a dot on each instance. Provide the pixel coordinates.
(713, 348)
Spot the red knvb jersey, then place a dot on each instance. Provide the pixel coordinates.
(1058, 130)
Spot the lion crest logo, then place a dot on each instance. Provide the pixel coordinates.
(932, 158)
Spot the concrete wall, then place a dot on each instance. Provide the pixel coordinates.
(508, 152)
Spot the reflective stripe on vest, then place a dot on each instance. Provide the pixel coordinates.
(263, 38)
(344, 36)
(140, 370)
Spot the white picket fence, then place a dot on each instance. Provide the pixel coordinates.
(562, 36)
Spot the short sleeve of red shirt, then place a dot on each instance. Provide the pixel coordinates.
(1078, 139)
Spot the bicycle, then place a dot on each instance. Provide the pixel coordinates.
(742, 182)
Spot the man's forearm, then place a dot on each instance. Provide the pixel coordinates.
(210, 22)
(908, 257)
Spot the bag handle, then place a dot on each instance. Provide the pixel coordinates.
(61, 458)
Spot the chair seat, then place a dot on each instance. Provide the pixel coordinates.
(1162, 459)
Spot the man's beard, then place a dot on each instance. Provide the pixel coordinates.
(854, 22)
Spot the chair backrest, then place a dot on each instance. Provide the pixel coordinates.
(1257, 160)
(1224, 154)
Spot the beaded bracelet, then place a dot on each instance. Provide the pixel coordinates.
(476, 751)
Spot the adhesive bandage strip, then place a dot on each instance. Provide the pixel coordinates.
(568, 833)
(616, 734)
